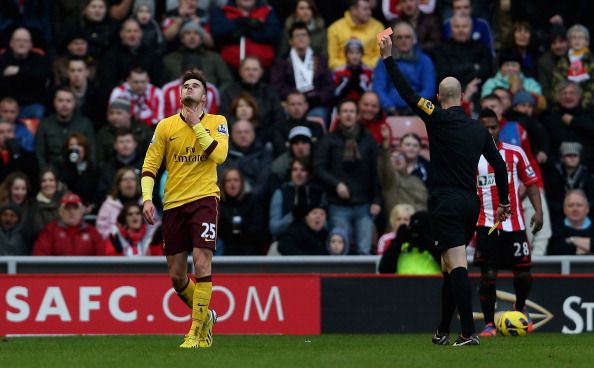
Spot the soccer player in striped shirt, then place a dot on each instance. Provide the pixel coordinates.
(193, 143)
(507, 247)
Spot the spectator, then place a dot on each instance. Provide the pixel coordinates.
(119, 117)
(16, 190)
(520, 41)
(193, 51)
(13, 157)
(399, 185)
(570, 122)
(480, 28)
(32, 14)
(578, 64)
(305, 72)
(417, 165)
(172, 90)
(13, 241)
(120, 9)
(338, 242)
(547, 62)
(564, 175)
(300, 147)
(297, 108)
(205, 8)
(187, 12)
(356, 23)
(89, 101)
(412, 252)
(511, 78)
(25, 74)
(426, 26)
(125, 154)
(307, 236)
(146, 100)
(47, 202)
(250, 73)
(290, 202)
(399, 216)
(125, 189)
(9, 112)
(77, 171)
(98, 28)
(128, 54)
(372, 117)
(77, 47)
(241, 226)
(54, 129)
(245, 107)
(69, 235)
(354, 78)
(523, 112)
(415, 65)
(245, 22)
(575, 234)
(152, 37)
(131, 236)
(306, 11)
(461, 56)
(250, 157)
(346, 164)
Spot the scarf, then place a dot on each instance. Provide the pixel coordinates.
(303, 70)
(577, 71)
(351, 150)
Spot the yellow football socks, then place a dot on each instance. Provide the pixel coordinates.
(187, 293)
(202, 293)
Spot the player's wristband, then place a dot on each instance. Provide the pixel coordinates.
(505, 205)
(147, 183)
(204, 139)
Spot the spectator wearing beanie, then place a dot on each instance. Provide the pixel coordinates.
(306, 236)
(522, 111)
(13, 241)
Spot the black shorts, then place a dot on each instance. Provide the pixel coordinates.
(454, 213)
(502, 249)
(192, 225)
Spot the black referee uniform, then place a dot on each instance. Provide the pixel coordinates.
(456, 143)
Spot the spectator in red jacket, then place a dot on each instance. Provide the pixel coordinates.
(69, 235)
(248, 22)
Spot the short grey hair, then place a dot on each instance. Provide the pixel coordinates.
(566, 83)
(578, 28)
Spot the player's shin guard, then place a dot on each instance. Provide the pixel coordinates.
(522, 285)
(463, 293)
(202, 293)
(487, 293)
(448, 304)
(186, 294)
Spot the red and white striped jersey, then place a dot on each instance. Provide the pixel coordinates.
(172, 92)
(518, 170)
(147, 107)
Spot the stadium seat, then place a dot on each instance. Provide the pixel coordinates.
(400, 125)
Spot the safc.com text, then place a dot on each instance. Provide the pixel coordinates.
(91, 304)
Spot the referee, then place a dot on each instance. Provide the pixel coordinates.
(456, 144)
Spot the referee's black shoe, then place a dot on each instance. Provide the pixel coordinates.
(472, 340)
(440, 339)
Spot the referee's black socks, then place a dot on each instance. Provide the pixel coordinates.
(448, 304)
(463, 293)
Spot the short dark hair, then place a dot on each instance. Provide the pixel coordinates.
(491, 96)
(190, 74)
(347, 100)
(487, 113)
(137, 70)
(298, 25)
(78, 58)
(355, 3)
(120, 132)
(64, 89)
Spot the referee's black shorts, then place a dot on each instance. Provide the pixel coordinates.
(454, 212)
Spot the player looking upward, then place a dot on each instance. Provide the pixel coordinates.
(193, 143)
(456, 143)
(507, 247)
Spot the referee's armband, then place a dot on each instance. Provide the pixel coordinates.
(426, 105)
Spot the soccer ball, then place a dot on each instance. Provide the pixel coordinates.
(513, 323)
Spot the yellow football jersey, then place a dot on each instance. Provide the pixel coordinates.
(192, 171)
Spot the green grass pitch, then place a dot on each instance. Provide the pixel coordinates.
(374, 351)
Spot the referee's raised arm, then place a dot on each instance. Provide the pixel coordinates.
(421, 106)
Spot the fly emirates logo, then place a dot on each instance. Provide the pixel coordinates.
(189, 156)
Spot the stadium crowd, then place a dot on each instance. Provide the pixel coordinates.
(318, 160)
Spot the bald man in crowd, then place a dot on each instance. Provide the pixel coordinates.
(456, 144)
